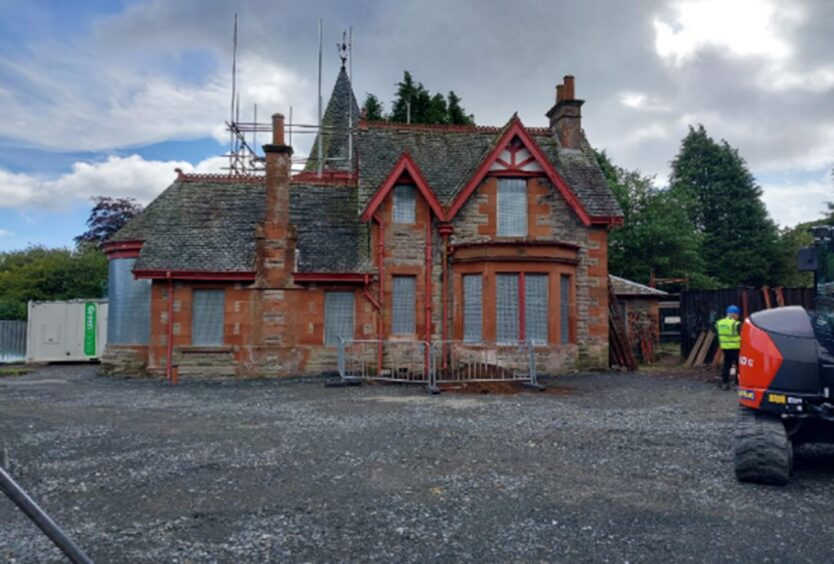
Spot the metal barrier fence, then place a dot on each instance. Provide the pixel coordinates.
(387, 361)
(12, 341)
(456, 362)
(438, 362)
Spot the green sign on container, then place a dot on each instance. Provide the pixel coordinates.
(90, 329)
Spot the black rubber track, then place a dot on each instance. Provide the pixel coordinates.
(763, 451)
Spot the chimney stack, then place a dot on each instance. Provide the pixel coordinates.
(276, 257)
(566, 115)
(277, 129)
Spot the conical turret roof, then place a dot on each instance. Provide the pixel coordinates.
(342, 112)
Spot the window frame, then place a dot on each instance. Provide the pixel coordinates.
(468, 303)
(398, 201)
(505, 182)
(395, 329)
(352, 331)
(195, 318)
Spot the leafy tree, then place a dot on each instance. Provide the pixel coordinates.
(107, 216)
(656, 236)
(372, 109)
(38, 273)
(739, 241)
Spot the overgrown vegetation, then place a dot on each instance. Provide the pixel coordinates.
(413, 101)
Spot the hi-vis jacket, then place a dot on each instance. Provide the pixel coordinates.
(728, 333)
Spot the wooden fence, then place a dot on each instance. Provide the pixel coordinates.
(701, 309)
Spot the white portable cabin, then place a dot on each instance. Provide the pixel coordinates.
(68, 331)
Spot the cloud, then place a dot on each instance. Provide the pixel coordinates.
(5, 233)
(790, 202)
(118, 177)
(758, 73)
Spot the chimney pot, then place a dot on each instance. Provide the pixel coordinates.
(560, 92)
(569, 88)
(277, 129)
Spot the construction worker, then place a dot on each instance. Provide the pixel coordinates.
(729, 339)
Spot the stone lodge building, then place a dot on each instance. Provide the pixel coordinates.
(484, 235)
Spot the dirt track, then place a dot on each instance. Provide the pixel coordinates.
(622, 468)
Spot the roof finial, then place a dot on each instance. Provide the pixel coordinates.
(343, 49)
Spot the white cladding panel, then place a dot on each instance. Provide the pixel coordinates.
(55, 331)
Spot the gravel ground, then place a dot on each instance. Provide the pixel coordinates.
(623, 468)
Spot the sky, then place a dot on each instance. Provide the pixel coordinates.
(108, 98)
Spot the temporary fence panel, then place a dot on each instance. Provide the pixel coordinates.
(460, 361)
(404, 361)
(71, 330)
(12, 341)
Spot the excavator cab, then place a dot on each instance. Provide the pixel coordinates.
(786, 375)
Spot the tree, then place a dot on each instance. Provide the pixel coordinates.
(38, 273)
(739, 241)
(457, 115)
(414, 103)
(107, 216)
(655, 237)
(372, 109)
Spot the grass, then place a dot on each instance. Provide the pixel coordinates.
(14, 370)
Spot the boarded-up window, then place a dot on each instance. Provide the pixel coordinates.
(512, 207)
(207, 317)
(338, 316)
(472, 308)
(404, 203)
(535, 308)
(506, 308)
(564, 306)
(403, 305)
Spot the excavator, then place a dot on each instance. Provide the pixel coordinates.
(786, 375)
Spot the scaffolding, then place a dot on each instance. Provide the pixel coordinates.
(244, 156)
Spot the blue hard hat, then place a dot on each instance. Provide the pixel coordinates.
(733, 309)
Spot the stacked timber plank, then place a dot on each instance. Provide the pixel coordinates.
(698, 354)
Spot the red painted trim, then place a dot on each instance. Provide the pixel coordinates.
(122, 249)
(445, 231)
(349, 277)
(327, 178)
(122, 254)
(517, 129)
(525, 162)
(405, 165)
(610, 220)
(522, 307)
(364, 124)
(195, 275)
(516, 173)
(380, 324)
(220, 178)
(518, 243)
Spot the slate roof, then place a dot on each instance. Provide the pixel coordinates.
(208, 224)
(624, 287)
(335, 126)
(202, 226)
(448, 157)
(330, 236)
